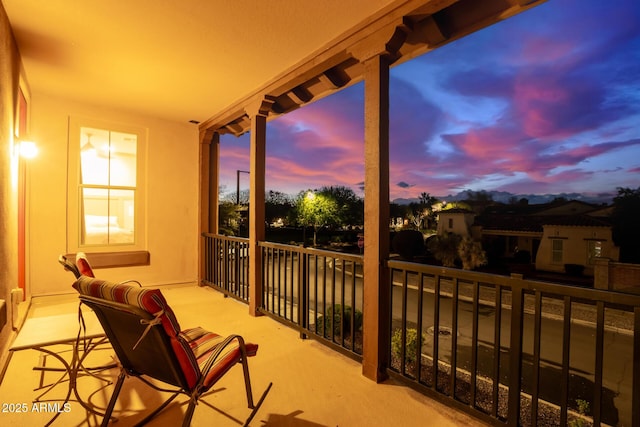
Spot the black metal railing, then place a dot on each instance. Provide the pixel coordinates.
(315, 291)
(515, 351)
(508, 350)
(226, 265)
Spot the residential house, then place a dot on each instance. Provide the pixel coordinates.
(457, 221)
(554, 235)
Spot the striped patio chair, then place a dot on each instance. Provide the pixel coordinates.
(149, 344)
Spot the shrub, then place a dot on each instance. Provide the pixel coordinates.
(335, 312)
(471, 253)
(408, 244)
(583, 409)
(411, 345)
(444, 248)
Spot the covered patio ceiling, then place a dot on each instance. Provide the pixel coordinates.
(407, 29)
(203, 60)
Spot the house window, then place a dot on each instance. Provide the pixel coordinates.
(107, 193)
(594, 248)
(556, 251)
(450, 223)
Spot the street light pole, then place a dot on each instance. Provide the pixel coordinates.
(238, 185)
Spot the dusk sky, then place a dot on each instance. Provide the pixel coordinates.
(545, 102)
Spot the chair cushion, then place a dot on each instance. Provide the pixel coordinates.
(82, 263)
(153, 302)
(203, 343)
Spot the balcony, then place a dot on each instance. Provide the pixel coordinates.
(508, 351)
(312, 385)
(462, 348)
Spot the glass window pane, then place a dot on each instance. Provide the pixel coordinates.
(122, 213)
(94, 166)
(556, 251)
(123, 150)
(95, 209)
(107, 186)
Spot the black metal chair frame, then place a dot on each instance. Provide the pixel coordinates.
(127, 327)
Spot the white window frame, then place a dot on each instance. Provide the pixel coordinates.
(555, 251)
(74, 222)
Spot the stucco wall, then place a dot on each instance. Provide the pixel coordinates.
(574, 246)
(461, 223)
(9, 78)
(617, 276)
(172, 196)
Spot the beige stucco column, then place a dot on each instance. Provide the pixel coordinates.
(208, 203)
(601, 274)
(258, 112)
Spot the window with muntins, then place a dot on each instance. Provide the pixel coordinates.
(556, 251)
(594, 248)
(106, 206)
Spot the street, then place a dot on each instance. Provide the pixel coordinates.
(618, 345)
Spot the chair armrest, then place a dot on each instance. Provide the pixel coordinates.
(211, 360)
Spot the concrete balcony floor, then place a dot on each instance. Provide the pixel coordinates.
(312, 385)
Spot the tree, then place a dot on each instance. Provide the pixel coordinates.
(231, 197)
(444, 248)
(626, 227)
(420, 213)
(471, 253)
(457, 205)
(349, 207)
(228, 218)
(277, 205)
(317, 210)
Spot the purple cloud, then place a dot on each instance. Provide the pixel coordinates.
(539, 103)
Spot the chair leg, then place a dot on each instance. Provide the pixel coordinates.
(114, 398)
(257, 406)
(186, 421)
(247, 380)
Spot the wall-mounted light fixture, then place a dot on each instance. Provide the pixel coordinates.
(27, 149)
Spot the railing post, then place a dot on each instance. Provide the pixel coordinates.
(515, 350)
(635, 392)
(303, 311)
(225, 257)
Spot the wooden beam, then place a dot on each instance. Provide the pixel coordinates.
(453, 19)
(336, 76)
(300, 95)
